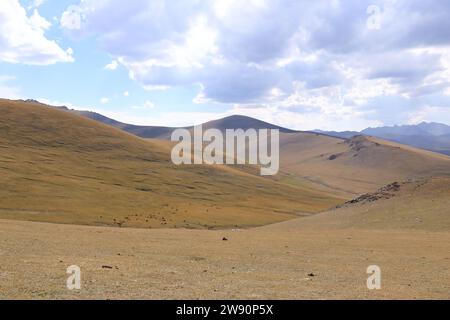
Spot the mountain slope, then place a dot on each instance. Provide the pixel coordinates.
(157, 132)
(428, 136)
(59, 167)
(337, 166)
(242, 122)
(151, 132)
(419, 204)
(355, 166)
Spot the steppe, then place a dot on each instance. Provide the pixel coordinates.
(77, 192)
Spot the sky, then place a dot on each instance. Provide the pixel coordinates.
(302, 64)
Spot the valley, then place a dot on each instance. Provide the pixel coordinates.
(78, 192)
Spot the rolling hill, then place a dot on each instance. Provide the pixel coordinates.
(59, 167)
(428, 136)
(349, 167)
(337, 166)
(416, 204)
(56, 166)
(156, 132)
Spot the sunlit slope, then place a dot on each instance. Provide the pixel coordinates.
(422, 204)
(342, 167)
(59, 167)
(355, 166)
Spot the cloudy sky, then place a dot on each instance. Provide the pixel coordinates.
(303, 64)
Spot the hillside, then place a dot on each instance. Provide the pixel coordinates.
(428, 136)
(355, 166)
(338, 166)
(59, 167)
(163, 133)
(418, 204)
(150, 132)
(324, 256)
(434, 137)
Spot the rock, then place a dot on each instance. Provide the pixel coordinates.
(333, 157)
(224, 239)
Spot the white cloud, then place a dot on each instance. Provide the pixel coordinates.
(104, 100)
(8, 91)
(156, 88)
(300, 59)
(22, 37)
(147, 105)
(430, 114)
(35, 4)
(72, 18)
(38, 3)
(112, 66)
(126, 94)
(57, 103)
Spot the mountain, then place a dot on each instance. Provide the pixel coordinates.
(345, 166)
(429, 136)
(389, 205)
(305, 157)
(339, 134)
(152, 132)
(157, 132)
(339, 167)
(56, 166)
(242, 122)
(422, 129)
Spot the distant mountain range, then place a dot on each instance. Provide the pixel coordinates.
(429, 136)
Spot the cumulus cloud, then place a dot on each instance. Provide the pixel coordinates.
(22, 37)
(292, 56)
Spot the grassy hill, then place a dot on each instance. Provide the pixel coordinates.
(56, 166)
(354, 166)
(419, 204)
(346, 166)
(164, 133)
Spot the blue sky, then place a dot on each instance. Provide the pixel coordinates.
(335, 65)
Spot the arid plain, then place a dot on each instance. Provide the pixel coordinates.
(77, 192)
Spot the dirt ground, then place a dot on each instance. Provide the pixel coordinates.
(273, 262)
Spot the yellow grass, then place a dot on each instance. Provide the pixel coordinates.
(360, 165)
(59, 167)
(407, 236)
